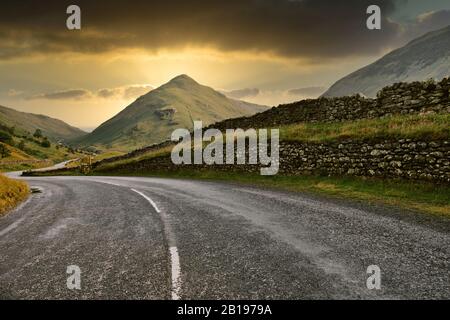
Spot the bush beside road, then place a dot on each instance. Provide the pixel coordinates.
(12, 192)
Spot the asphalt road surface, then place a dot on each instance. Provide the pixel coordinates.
(150, 238)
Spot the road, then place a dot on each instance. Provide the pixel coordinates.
(151, 238)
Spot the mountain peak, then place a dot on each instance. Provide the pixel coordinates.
(182, 80)
(152, 118)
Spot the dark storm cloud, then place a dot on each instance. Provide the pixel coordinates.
(311, 29)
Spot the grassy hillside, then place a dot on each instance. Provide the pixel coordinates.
(23, 151)
(407, 127)
(12, 192)
(54, 129)
(153, 117)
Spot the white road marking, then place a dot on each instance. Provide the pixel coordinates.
(173, 250)
(148, 199)
(176, 273)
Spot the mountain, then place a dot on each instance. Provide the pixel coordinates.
(54, 129)
(154, 116)
(421, 59)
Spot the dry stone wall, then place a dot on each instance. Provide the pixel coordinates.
(404, 159)
(400, 98)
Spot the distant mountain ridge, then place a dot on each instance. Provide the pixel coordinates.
(154, 116)
(52, 128)
(423, 58)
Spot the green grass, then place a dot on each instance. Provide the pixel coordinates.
(147, 156)
(23, 166)
(398, 127)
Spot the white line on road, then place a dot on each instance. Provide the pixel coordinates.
(148, 199)
(174, 257)
(176, 272)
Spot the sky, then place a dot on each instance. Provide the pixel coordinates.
(263, 51)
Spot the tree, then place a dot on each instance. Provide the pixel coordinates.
(4, 151)
(37, 133)
(45, 143)
(5, 137)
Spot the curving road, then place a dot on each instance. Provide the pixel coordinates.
(150, 238)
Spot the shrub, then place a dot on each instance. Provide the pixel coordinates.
(5, 137)
(38, 133)
(4, 151)
(11, 193)
(46, 143)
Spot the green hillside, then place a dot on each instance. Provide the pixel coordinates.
(153, 117)
(21, 149)
(24, 122)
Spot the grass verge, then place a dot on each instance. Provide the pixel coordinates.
(12, 192)
(433, 126)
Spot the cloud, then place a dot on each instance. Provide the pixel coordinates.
(242, 93)
(135, 91)
(108, 93)
(275, 96)
(307, 29)
(125, 93)
(426, 22)
(14, 93)
(307, 91)
(72, 94)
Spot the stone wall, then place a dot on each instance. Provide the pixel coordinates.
(405, 159)
(400, 98)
